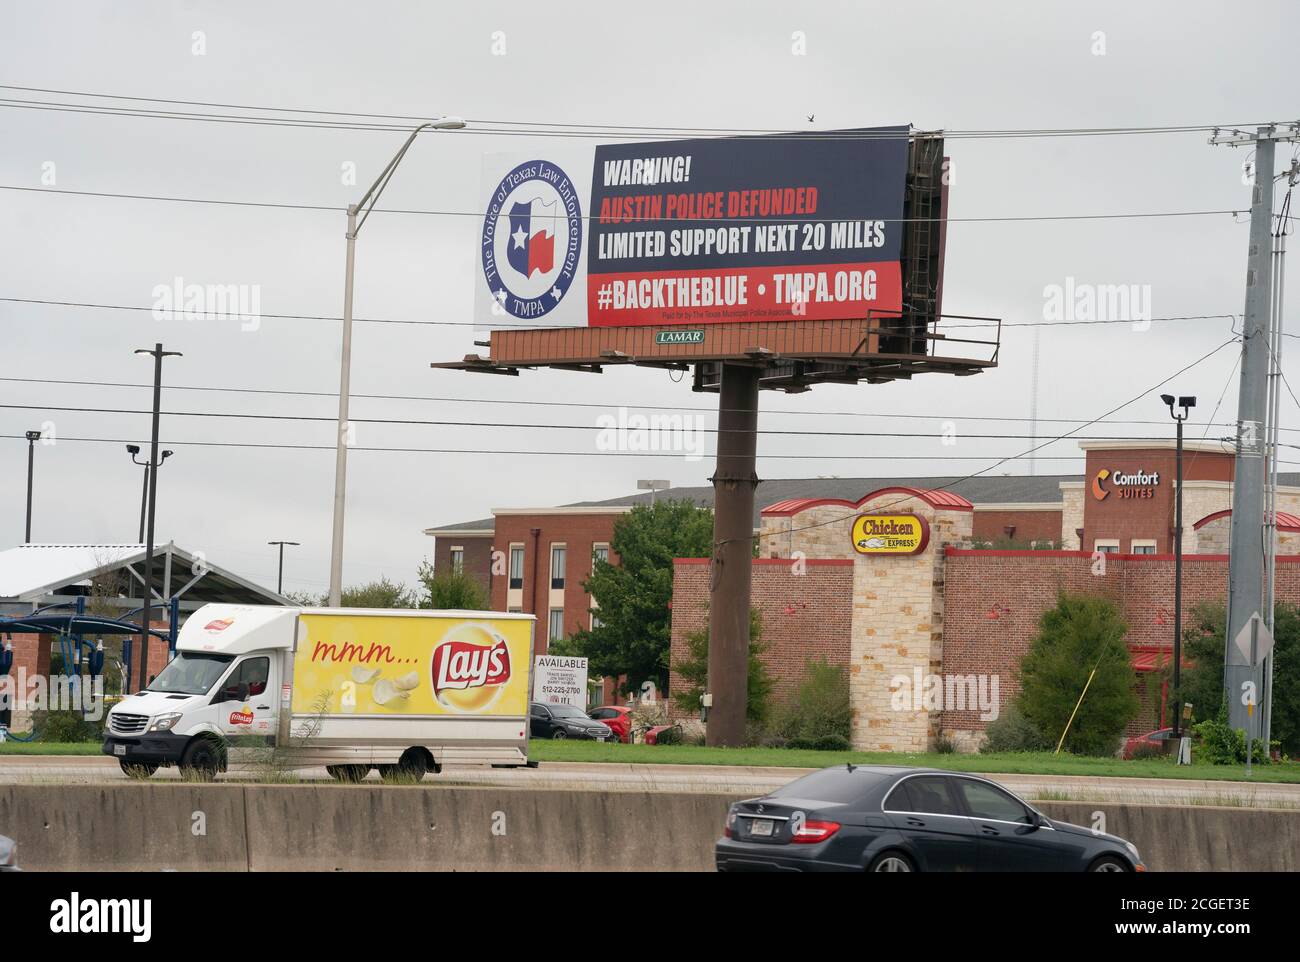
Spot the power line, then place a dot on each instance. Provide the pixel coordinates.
(499, 325)
(1010, 218)
(539, 128)
(528, 402)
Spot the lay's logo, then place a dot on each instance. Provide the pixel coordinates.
(218, 625)
(469, 677)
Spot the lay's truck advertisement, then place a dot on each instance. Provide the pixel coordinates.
(412, 666)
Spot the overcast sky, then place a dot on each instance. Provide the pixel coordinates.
(956, 65)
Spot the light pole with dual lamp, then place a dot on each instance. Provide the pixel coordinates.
(1186, 404)
(32, 438)
(366, 204)
(133, 450)
(279, 581)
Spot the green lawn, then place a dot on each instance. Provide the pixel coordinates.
(10, 747)
(1039, 763)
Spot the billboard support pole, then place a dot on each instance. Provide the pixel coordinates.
(734, 480)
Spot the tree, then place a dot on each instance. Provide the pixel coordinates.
(1202, 675)
(1082, 633)
(451, 590)
(378, 594)
(632, 635)
(694, 669)
(305, 599)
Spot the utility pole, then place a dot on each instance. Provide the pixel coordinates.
(1244, 681)
(146, 616)
(279, 581)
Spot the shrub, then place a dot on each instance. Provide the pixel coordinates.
(1011, 731)
(67, 725)
(818, 713)
(1080, 645)
(1146, 751)
(943, 745)
(1221, 744)
(821, 743)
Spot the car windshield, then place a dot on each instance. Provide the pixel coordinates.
(566, 711)
(190, 673)
(831, 785)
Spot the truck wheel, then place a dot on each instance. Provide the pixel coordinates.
(350, 774)
(202, 760)
(136, 769)
(412, 766)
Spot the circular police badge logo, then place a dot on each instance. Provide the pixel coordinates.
(532, 239)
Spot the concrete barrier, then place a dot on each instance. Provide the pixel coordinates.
(325, 827)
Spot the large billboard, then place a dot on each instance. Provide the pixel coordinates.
(691, 232)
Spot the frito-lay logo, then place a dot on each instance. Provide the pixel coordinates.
(242, 717)
(468, 676)
(218, 624)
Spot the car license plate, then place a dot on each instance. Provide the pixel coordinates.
(119, 749)
(761, 826)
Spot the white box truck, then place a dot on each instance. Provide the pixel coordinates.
(402, 690)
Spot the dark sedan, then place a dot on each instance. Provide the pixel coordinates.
(879, 819)
(565, 721)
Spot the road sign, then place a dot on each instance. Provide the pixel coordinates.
(1263, 641)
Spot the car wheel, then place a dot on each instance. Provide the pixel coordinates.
(202, 760)
(350, 774)
(136, 769)
(559, 733)
(891, 862)
(1109, 863)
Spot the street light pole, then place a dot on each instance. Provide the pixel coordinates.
(279, 581)
(147, 615)
(133, 450)
(32, 438)
(371, 197)
(1186, 403)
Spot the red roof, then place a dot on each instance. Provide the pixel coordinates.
(934, 497)
(1285, 520)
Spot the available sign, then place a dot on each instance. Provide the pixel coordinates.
(890, 534)
(785, 227)
(560, 681)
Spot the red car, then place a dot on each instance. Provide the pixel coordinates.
(1161, 739)
(618, 718)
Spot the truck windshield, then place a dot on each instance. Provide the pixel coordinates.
(191, 673)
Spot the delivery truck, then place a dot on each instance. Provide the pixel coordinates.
(405, 691)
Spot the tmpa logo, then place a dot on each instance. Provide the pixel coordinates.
(78, 916)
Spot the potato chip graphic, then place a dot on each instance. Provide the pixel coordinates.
(470, 668)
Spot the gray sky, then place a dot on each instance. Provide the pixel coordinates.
(951, 65)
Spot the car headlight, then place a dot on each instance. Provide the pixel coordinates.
(1133, 850)
(164, 723)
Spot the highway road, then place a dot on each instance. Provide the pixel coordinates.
(738, 780)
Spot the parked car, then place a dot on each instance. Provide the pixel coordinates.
(653, 735)
(617, 717)
(1161, 739)
(886, 819)
(8, 858)
(565, 721)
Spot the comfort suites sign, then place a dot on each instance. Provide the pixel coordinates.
(890, 534)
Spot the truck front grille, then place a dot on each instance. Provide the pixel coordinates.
(123, 724)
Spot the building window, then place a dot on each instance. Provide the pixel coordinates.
(457, 556)
(557, 567)
(1142, 547)
(516, 566)
(515, 610)
(599, 552)
(556, 626)
(595, 622)
(1106, 546)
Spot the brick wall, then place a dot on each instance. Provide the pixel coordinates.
(1030, 526)
(477, 560)
(805, 615)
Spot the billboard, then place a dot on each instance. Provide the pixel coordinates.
(694, 232)
(890, 534)
(417, 665)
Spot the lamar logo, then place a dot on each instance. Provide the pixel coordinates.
(469, 677)
(1099, 491)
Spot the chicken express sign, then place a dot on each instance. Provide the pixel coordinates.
(890, 534)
